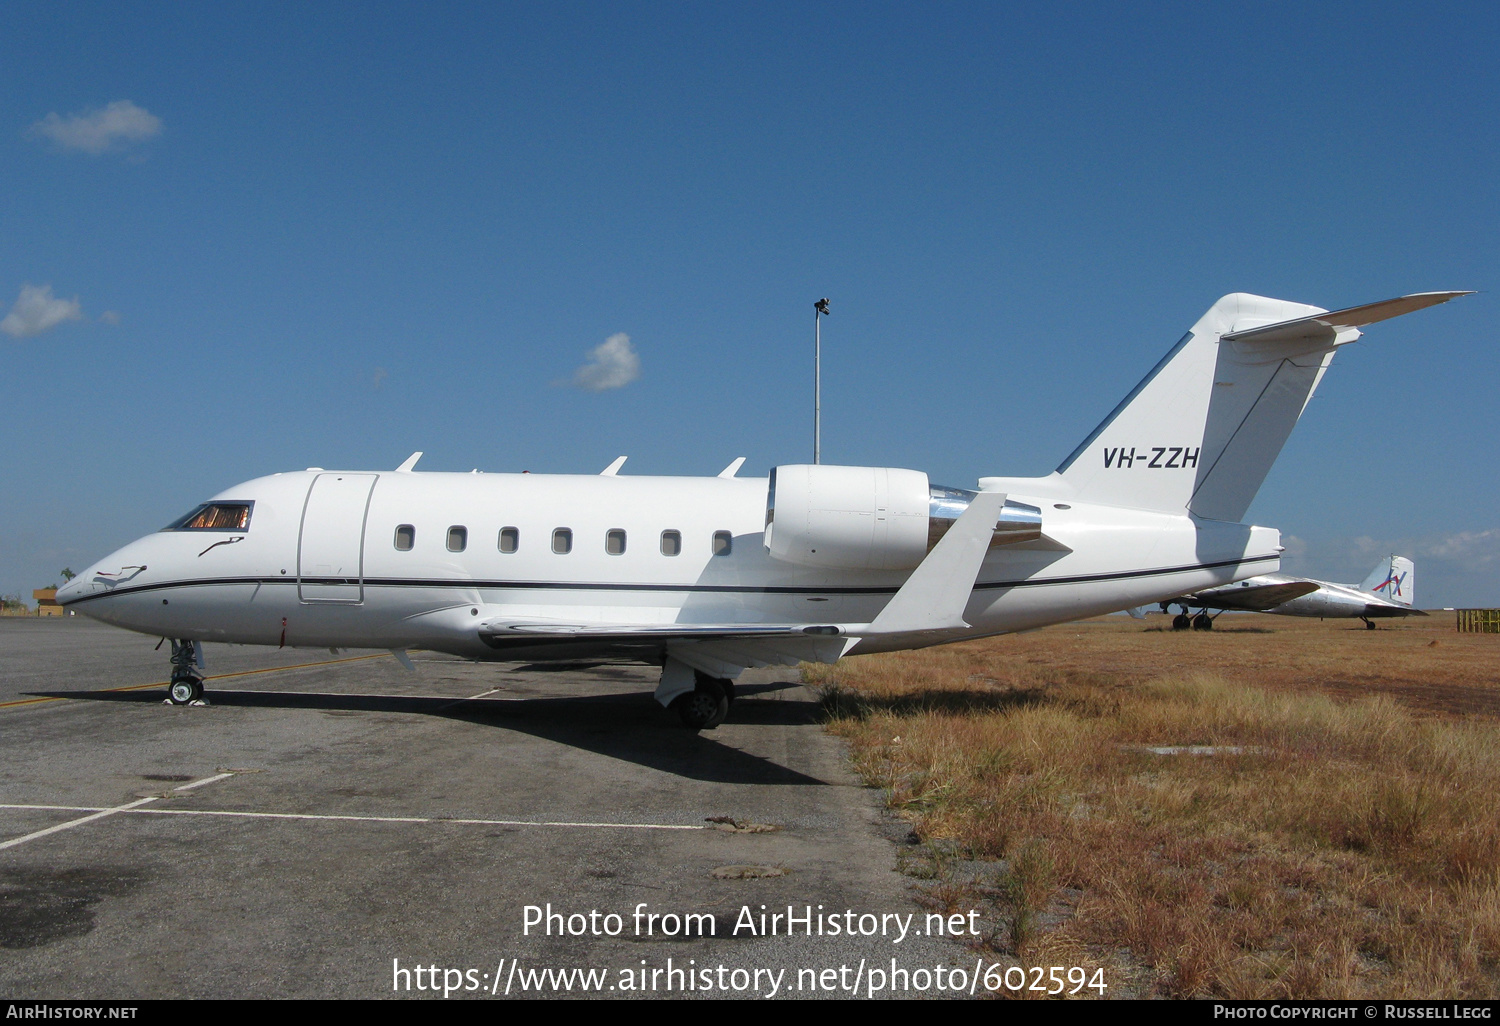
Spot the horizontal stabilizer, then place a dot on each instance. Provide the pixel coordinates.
(1325, 327)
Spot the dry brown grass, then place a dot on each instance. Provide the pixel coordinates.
(1350, 848)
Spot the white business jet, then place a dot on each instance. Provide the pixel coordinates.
(708, 576)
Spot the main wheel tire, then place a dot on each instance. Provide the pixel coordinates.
(1181, 622)
(705, 707)
(1203, 622)
(1369, 625)
(185, 690)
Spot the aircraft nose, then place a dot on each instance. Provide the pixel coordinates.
(76, 588)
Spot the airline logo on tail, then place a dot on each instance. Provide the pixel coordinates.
(1394, 579)
(1393, 582)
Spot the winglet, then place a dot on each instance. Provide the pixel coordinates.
(733, 468)
(411, 461)
(934, 596)
(614, 468)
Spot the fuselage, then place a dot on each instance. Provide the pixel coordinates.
(402, 559)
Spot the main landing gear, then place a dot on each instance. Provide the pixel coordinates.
(705, 707)
(1369, 624)
(187, 683)
(1202, 622)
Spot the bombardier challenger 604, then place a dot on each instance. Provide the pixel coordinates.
(707, 576)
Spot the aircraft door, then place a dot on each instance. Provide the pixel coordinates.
(331, 542)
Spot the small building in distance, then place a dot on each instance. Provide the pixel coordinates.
(46, 602)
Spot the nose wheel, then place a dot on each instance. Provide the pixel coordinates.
(187, 684)
(185, 690)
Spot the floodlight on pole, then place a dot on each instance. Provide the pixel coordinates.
(820, 310)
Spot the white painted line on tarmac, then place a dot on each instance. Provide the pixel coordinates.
(102, 813)
(429, 819)
(132, 809)
(74, 823)
(461, 701)
(200, 783)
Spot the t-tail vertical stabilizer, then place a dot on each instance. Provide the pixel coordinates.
(1200, 432)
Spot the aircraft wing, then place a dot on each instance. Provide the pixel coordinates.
(931, 602)
(1256, 597)
(542, 630)
(721, 649)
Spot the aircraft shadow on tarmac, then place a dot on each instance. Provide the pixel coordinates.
(630, 727)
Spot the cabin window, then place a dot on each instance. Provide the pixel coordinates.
(458, 538)
(510, 539)
(671, 543)
(406, 537)
(614, 542)
(562, 541)
(723, 542)
(214, 516)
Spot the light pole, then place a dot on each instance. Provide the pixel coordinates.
(820, 310)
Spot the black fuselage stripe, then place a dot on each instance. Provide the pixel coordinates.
(402, 582)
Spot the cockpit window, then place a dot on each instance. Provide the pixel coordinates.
(215, 516)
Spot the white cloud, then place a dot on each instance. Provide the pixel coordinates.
(119, 124)
(37, 310)
(612, 364)
(110, 317)
(1474, 549)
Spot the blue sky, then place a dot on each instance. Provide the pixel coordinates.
(333, 234)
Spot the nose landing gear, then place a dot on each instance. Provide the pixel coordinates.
(187, 683)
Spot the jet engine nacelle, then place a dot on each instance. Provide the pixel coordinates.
(872, 518)
(847, 518)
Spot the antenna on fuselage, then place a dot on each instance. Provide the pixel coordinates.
(411, 461)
